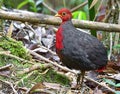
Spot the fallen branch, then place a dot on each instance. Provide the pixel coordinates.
(26, 16)
(35, 67)
(66, 69)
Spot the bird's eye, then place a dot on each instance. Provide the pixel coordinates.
(64, 13)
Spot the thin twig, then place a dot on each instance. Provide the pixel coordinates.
(101, 84)
(66, 69)
(98, 10)
(30, 27)
(54, 11)
(79, 6)
(11, 85)
(52, 52)
(7, 53)
(25, 77)
(107, 16)
(49, 61)
(34, 67)
(64, 3)
(4, 75)
(111, 44)
(5, 67)
(117, 35)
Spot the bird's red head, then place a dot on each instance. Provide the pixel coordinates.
(64, 14)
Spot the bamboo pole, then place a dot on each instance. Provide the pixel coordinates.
(25, 16)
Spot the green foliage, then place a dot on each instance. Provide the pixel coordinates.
(75, 2)
(15, 47)
(6, 60)
(1, 25)
(117, 46)
(117, 92)
(11, 3)
(38, 76)
(33, 6)
(112, 83)
(50, 76)
(91, 16)
(1, 3)
(57, 78)
(79, 15)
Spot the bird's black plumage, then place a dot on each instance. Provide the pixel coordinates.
(81, 51)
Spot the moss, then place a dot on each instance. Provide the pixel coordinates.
(18, 49)
(15, 47)
(51, 76)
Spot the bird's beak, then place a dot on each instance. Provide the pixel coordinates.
(58, 15)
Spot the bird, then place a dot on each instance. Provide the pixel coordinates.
(76, 49)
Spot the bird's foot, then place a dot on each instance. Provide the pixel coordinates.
(80, 80)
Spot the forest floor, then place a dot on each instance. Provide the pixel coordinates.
(29, 65)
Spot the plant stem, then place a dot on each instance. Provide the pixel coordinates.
(91, 16)
(64, 4)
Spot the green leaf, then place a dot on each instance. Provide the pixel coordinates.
(32, 2)
(116, 46)
(22, 4)
(117, 85)
(79, 15)
(117, 92)
(91, 16)
(93, 3)
(1, 3)
(38, 9)
(39, 2)
(110, 82)
(34, 9)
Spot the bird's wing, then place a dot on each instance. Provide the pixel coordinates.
(74, 49)
(83, 47)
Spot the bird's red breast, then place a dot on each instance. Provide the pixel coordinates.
(59, 39)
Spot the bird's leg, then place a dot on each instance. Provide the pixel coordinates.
(80, 79)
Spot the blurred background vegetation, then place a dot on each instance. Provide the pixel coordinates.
(37, 5)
